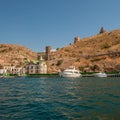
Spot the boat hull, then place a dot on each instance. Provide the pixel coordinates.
(100, 75)
(70, 72)
(69, 75)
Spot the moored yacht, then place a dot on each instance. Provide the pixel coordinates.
(70, 72)
(100, 74)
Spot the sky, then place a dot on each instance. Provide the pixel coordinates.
(40, 23)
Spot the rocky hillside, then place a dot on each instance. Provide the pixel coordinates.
(97, 53)
(11, 54)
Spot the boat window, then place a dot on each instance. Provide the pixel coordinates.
(76, 72)
(68, 71)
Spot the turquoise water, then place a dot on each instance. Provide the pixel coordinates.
(85, 98)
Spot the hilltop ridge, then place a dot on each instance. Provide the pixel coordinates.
(96, 53)
(100, 52)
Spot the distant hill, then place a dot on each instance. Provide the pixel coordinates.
(11, 54)
(97, 53)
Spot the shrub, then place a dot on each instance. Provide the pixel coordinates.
(81, 68)
(105, 46)
(59, 62)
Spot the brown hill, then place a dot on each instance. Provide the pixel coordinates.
(11, 54)
(97, 53)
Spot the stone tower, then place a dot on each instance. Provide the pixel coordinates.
(76, 39)
(48, 51)
(102, 30)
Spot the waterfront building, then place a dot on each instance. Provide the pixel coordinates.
(36, 67)
(12, 70)
(3, 71)
(18, 71)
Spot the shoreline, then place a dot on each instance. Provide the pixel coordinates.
(56, 75)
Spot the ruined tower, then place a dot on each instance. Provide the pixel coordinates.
(102, 30)
(76, 39)
(48, 51)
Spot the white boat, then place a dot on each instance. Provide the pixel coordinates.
(100, 74)
(70, 72)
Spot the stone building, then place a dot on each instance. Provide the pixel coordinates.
(38, 67)
(12, 70)
(48, 51)
(76, 39)
(102, 30)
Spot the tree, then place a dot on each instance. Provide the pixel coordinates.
(81, 68)
(94, 67)
(59, 62)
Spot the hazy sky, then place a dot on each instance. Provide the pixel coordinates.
(39, 23)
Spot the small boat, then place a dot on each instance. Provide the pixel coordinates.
(100, 74)
(70, 72)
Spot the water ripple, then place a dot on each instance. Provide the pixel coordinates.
(59, 99)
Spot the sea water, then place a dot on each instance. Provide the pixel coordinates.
(54, 98)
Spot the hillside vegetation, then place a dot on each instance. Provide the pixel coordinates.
(97, 53)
